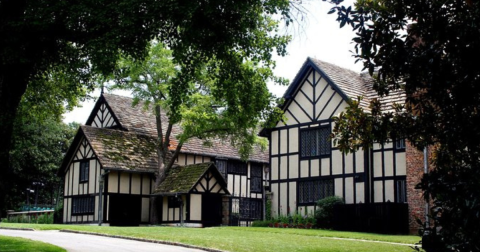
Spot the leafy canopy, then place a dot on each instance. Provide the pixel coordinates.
(427, 49)
(81, 39)
(231, 109)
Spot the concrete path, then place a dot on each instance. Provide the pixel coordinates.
(83, 242)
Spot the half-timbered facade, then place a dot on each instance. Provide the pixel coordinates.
(110, 168)
(193, 194)
(306, 166)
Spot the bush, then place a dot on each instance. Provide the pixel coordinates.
(40, 219)
(45, 219)
(260, 223)
(325, 211)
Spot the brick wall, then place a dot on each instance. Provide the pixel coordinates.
(416, 202)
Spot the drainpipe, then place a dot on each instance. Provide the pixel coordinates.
(100, 196)
(425, 170)
(266, 170)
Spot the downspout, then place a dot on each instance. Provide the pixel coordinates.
(100, 197)
(266, 170)
(425, 171)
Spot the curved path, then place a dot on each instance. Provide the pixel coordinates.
(83, 242)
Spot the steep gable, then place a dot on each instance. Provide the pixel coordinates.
(202, 177)
(102, 116)
(321, 90)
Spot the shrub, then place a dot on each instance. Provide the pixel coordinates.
(45, 219)
(260, 223)
(325, 211)
(58, 214)
(268, 210)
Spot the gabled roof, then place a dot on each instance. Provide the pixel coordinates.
(139, 120)
(349, 84)
(122, 150)
(116, 149)
(183, 179)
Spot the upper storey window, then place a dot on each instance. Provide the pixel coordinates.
(400, 144)
(315, 142)
(84, 171)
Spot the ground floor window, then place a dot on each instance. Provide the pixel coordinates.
(83, 205)
(256, 177)
(401, 191)
(174, 201)
(309, 192)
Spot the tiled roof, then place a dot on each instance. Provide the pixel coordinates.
(350, 84)
(122, 150)
(139, 120)
(182, 179)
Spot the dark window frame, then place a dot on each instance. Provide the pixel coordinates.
(236, 167)
(315, 142)
(256, 171)
(401, 191)
(83, 205)
(174, 202)
(84, 171)
(222, 165)
(400, 144)
(306, 190)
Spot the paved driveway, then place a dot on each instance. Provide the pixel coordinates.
(83, 242)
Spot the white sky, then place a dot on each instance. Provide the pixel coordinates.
(319, 36)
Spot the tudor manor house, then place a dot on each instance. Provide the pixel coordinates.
(109, 171)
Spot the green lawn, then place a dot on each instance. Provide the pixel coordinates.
(250, 239)
(20, 245)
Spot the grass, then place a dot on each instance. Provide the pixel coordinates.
(16, 244)
(243, 239)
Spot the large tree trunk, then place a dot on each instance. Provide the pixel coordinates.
(13, 83)
(160, 176)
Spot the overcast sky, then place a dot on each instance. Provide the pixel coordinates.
(318, 36)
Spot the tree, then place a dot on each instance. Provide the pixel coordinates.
(427, 49)
(41, 140)
(81, 37)
(210, 107)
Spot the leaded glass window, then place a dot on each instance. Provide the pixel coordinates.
(315, 142)
(401, 191)
(400, 144)
(256, 177)
(174, 202)
(222, 167)
(309, 192)
(84, 171)
(83, 205)
(237, 167)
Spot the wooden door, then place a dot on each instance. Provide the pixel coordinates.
(124, 210)
(211, 209)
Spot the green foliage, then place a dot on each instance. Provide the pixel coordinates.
(260, 223)
(268, 209)
(83, 39)
(295, 220)
(211, 106)
(325, 211)
(40, 219)
(425, 49)
(41, 140)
